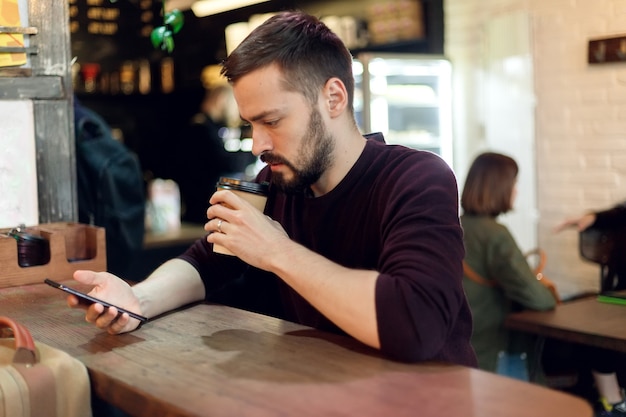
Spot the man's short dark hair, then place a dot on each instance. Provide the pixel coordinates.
(304, 48)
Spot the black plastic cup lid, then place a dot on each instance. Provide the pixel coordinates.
(241, 185)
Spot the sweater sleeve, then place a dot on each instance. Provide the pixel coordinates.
(215, 271)
(420, 304)
(510, 269)
(612, 218)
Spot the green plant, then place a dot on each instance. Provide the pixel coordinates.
(162, 37)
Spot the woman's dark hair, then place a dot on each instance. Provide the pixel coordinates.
(489, 185)
(304, 48)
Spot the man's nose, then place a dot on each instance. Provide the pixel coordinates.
(261, 142)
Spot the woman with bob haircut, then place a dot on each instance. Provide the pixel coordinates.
(505, 280)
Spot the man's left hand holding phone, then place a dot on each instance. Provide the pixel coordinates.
(116, 318)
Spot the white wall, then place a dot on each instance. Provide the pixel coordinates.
(508, 113)
(18, 170)
(579, 118)
(18, 167)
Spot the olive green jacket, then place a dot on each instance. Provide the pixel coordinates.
(491, 251)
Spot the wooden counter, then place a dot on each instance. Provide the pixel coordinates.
(210, 360)
(586, 321)
(186, 235)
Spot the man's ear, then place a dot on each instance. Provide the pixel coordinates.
(335, 96)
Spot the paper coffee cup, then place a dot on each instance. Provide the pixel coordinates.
(253, 192)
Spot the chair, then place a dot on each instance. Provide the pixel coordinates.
(597, 245)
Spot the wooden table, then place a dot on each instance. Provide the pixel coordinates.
(210, 360)
(586, 321)
(186, 235)
(160, 247)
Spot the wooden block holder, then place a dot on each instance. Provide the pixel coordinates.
(72, 246)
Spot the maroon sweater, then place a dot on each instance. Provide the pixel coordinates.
(395, 212)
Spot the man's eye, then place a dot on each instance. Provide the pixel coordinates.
(271, 122)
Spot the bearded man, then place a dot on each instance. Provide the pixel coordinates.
(357, 236)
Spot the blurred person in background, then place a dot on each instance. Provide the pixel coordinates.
(498, 279)
(200, 156)
(604, 363)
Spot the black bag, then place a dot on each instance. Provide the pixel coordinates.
(596, 244)
(111, 190)
(606, 247)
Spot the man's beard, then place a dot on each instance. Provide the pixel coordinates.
(315, 157)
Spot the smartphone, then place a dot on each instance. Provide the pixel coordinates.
(84, 298)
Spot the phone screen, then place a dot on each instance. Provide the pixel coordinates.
(84, 298)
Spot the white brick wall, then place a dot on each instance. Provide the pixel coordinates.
(18, 167)
(580, 114)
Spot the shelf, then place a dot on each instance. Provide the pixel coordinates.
(71, 246)
(36, 87)
(419, 45)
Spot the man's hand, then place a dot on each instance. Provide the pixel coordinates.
(243, 229)
(110, 288)
(580, 223)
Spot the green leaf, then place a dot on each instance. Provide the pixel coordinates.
(157, 35)
(168, 42)
(175, 20)
(163, 36)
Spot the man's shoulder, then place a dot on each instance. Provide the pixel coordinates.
(401, 161)
(377, 145)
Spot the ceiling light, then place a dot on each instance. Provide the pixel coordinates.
(203, 8)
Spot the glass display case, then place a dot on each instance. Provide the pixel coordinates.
(406, 97)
